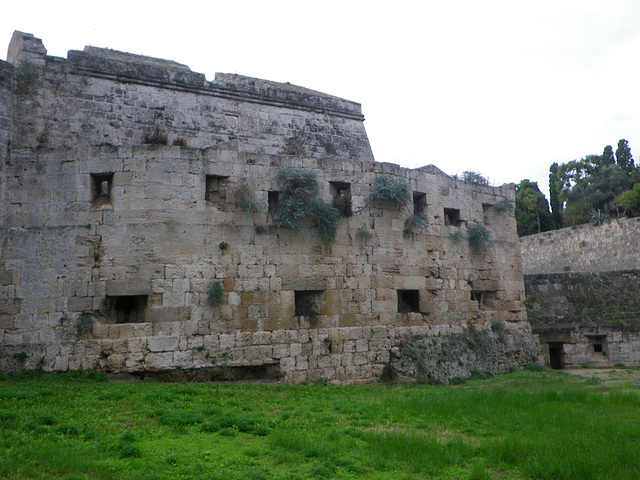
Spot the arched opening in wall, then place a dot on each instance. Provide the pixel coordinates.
(556, 355)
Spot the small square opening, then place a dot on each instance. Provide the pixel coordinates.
(308, 303)
(127, 308)
(341, 193)
(598, 342)
(408, 301)
(452, 217)
(216, 190)
(101, 184)
(484, 299)
(419, 203)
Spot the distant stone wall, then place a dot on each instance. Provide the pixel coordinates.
(583, 248)
(585, 308)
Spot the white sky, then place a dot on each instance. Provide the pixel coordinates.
(501, 87)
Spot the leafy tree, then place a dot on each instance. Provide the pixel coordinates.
(577, 213)
(532, 209)
(629, 200)
(607, 157)
(554, 197)
(624, 159)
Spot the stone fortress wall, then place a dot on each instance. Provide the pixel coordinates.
(582, 285)
(124, 186)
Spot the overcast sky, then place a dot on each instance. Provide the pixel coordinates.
(501, 87)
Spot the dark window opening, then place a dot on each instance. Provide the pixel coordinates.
(127, 308)
(408, 301)
(478, 297)
(307, 303)
(485, 299)
(341, 193)
(101, 185)
(419, 203)
(216, 190)
(273, 201)
(556, 356)
(598, 342)
(452, 217)
(486, 213)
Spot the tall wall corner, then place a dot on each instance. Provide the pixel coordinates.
(24, 46)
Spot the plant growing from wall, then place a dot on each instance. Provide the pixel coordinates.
(505, 206)
(214, 296)
(297, 200)
(478, 237)
(84, 323)
(474, 177)
(457, 236)
(27, 81)
(363, 234)
(414, 222)
(157, 137)
(390, 189)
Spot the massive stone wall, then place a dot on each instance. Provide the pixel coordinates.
(112, 252)
(583, 248)
(582, 288)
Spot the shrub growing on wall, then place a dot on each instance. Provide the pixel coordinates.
(478, 237)
(299, 189)
(387, 188)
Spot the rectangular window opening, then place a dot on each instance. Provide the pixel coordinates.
(341, 193)
(127, 308)
(408, 301)
(485, 299)
(487, 212)
(452, 217)
(273, 199)
(419, 203)
(216, 190)
(598, 342)
(308, 303)
(101, 185)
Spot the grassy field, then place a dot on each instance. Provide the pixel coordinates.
(546, 425)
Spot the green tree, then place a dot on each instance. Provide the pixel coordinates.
(532, 209)
(629, 200)
(624, 159)
(607, 157)
(554, 195)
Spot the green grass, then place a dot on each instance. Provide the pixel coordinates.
(526, 425)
